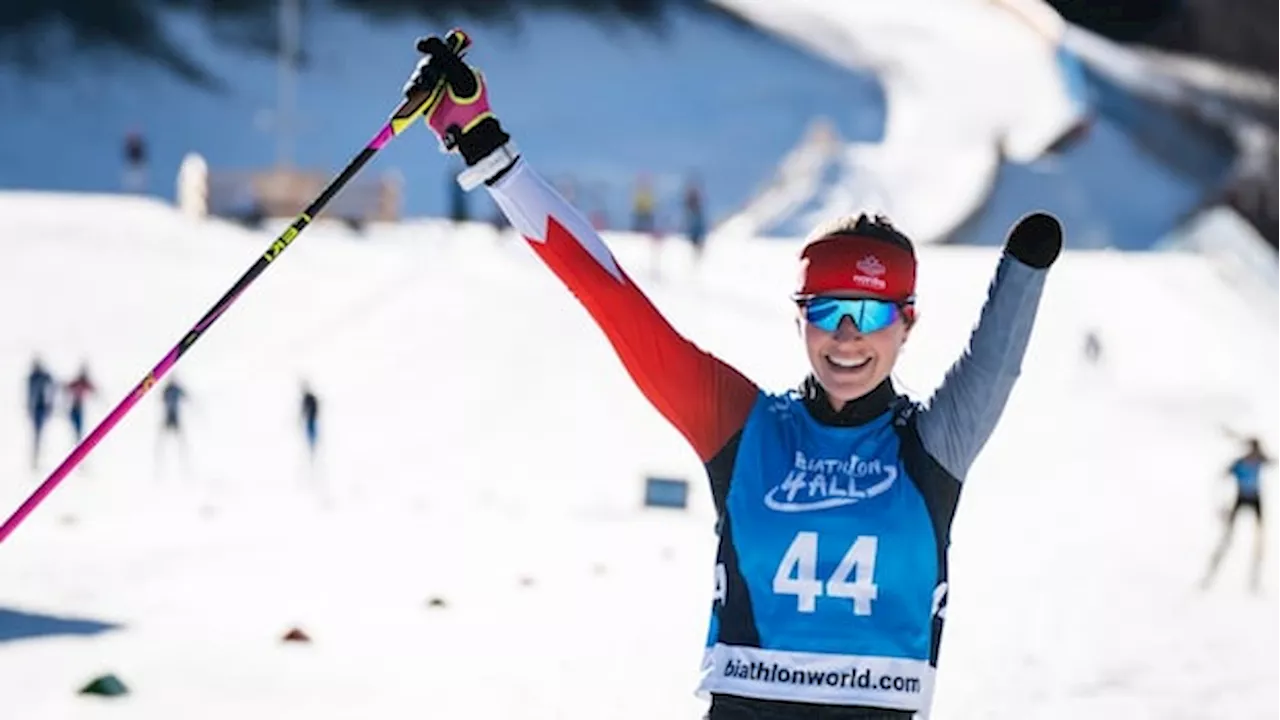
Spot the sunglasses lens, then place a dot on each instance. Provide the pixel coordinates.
(824, 313)
(876, 315)
(868, 315)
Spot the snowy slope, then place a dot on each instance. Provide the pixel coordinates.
(967, 84)
(482, 445)
(976, 92)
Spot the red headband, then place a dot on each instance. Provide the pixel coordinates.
(857, 264)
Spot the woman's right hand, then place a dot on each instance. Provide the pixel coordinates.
(458, 111)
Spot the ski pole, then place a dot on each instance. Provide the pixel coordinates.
(404, 116)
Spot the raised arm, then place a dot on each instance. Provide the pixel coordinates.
(704, 398)
(963, 412)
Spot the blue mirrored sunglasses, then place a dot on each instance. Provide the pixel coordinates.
(868, 315)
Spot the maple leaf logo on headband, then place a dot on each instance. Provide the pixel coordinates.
(870, 265)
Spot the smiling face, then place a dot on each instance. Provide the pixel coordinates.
(849, 363)
(851, 258)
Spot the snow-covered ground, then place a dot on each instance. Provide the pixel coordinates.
(480, 444)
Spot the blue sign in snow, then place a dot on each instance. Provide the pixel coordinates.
(665, 492)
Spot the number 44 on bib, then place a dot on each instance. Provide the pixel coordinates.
(853, 578)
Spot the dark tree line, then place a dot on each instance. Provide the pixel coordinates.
(1238, 32)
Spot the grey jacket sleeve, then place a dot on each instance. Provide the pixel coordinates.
(963, 412)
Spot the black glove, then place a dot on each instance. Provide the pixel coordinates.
(1036, 240)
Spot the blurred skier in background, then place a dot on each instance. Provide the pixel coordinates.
(1092, 347)
(694, 218)
(643, 206)
(40, 398)
(78, 390)
(310, 419)
(644, 219)
(135, 162)
(1246, 471)
(173, 396)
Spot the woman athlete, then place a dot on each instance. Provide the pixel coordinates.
(835, 498)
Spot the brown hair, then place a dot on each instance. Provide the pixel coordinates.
(876, 226)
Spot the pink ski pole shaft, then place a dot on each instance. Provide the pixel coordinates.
(403, 117)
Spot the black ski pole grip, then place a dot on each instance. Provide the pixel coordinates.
(446, 55)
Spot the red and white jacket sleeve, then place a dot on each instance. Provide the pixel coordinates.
(704, 398)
